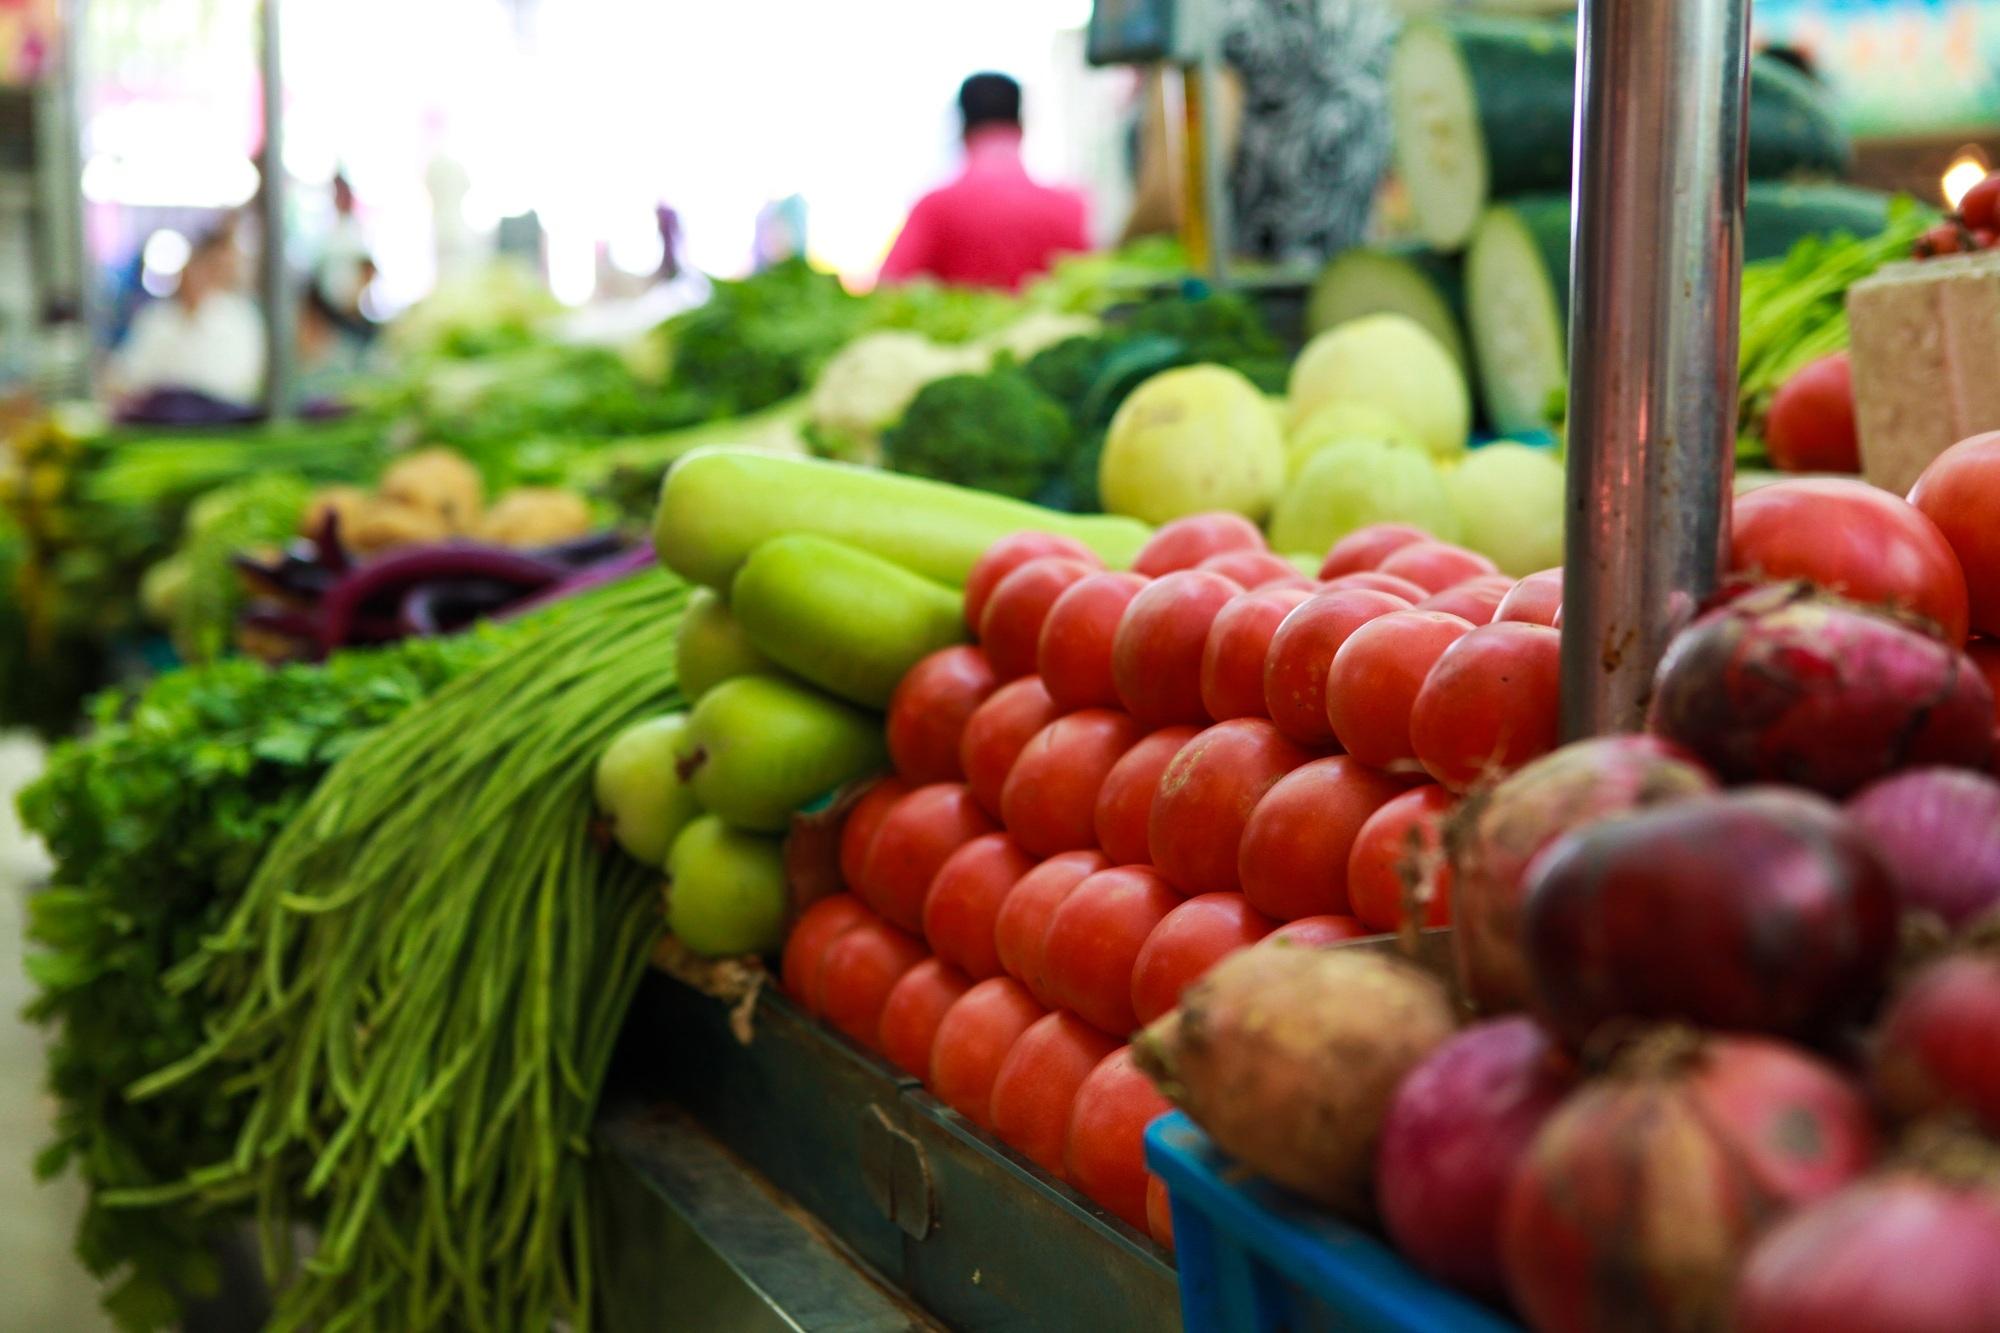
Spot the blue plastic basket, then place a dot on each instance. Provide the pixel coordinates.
(1255, 1260)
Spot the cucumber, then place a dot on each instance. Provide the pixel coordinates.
(719, 505)
(1517, 310)
(1404, 280)
(756, 748)
(1517, 283)
(1485, 108)
(847, 621)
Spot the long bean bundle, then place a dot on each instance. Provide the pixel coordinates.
(423, 985)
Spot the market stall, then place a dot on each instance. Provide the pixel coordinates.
(1067, 810)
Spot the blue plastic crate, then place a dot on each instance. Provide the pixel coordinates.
(1253, 1259)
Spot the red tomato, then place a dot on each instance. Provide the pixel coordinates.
(1375, 677)
(805, 948)
(864, 817)
(1205, 799)
(1094, 939)
(1124, 813)
(918, 835)
(928, 712)
(1232, 661)
(1946, 238)
(1254, 569)
(1366, 548)
(1074, 655)
(1490, 704)
(1051, 795)
(1036, 1087)
(1009, 554)
(1316, 932)
(1192, 938)
(1406, 835)
(1811, 427)
(1374, 580)
(1293, 861)
(1159, 1213)
(1186, 542)
(1535, 600)
(1104, 1154)
(997, 732)
(1960, 494)
(911, 1014)
(1986, 656)
(1010, 629)
(972, 1042)
(1156, 655)
(1302, 650)
(1475, 600)
(1980, 206)
(965, 899)
(1436, 565)
(1023, 923)
(856, 974)
(1863, 543)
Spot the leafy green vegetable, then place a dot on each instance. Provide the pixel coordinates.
(994, 432)
(1795, 309)
(262, 511)
(156, 822)
(421, 986)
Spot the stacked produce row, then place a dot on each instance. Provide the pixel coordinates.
(1736, 982)
(1092, 803)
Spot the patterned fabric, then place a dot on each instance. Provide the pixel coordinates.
(1315, 136)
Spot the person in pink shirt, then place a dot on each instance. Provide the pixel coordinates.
(993, 226)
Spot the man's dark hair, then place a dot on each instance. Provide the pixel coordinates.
(989, 99)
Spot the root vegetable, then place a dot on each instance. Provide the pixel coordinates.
(1757, 911)
(1289, 1058)
(1457, 1130)
(1938, 1048)
(1499, 830)
(1786, 686)
(1938, 830)
(1638, 1198)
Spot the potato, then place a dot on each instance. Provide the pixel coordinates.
(440, 481)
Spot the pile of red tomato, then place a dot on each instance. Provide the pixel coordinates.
(1133, 775)
(1975, 226)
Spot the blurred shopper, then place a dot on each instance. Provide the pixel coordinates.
(345, 268)
(1305, 126)
(993, 226)
(207, 338)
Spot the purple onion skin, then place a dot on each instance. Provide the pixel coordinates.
(1459, 1126)
(1800, 688)
(1938, 831)
(1754, 911)
(1896, 1253)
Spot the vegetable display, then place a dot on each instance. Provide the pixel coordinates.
(156, 823)
(431, 1131)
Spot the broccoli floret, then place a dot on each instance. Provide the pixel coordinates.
(995, 432)
(1067, 371)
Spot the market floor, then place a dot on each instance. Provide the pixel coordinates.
(42, 1287)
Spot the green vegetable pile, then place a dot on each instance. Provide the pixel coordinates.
(1795, 310)
(1035, 431)
(420, 988)
(197, 591)
(156, 823)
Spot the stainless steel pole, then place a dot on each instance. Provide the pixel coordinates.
(280, 318)
(1656, 272)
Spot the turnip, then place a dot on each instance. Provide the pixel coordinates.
(712, 646)
(1288, 1058)
(725, 890)
(640, 790)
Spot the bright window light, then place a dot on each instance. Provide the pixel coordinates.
(1965, 171)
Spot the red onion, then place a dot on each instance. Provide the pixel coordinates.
(1938, 830)
(1457, 1129)
(1759, 910)
(1938, 1048)
(1496, 832)
(1639, 1196)
(1907, 1251)
(1784, 685)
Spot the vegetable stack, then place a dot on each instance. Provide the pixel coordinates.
(421, 986)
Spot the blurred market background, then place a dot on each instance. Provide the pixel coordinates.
(552, 245)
